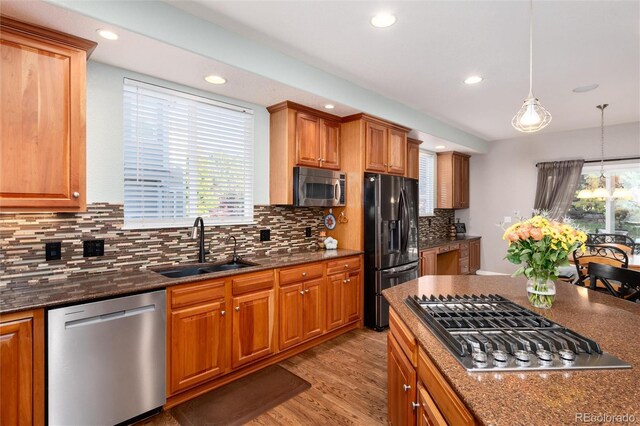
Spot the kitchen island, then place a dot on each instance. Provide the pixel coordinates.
(517, 398)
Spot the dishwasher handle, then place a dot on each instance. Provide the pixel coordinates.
(110, 316)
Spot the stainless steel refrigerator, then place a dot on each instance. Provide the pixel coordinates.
(390, 240)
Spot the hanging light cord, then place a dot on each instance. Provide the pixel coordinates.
(530, 48)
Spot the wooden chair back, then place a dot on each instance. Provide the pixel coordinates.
(603, 254)
(627, 281)
(620, 241)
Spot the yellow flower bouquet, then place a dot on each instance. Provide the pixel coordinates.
(541, 245)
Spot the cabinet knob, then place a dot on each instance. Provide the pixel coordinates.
(237, 308)
(76, 194)
(346, 265)
(304, 274)
(344, 281)
(414, 405)
(406, 387)
(302, 292)
(348, 280)
(319, 159)
(222, 313)
(306, 291)
(385, 164)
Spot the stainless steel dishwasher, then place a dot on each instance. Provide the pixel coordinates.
(106, 360)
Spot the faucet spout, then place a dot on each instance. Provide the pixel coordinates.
(235, 258)
(199, 223)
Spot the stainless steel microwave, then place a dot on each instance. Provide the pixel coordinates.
(318, 187)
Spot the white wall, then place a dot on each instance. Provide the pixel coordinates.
(504, 180)
(105, 168)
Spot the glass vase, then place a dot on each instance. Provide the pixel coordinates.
(541, 292)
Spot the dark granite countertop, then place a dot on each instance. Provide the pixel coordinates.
(538, 398)
(19, 296)
(428, 243)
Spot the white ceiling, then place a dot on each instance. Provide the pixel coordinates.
(421, 61)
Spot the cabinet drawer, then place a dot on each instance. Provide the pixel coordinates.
(431, 412)
(301, 273)
(191, 294)
(341, 265)
(252, 282)
(403, 336)
(464, 266)
(443, 249)
(448, 403)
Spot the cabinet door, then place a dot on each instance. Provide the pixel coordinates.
(330, 145)
(413, 160)
(457, 181)
(375, 147)
(428, 413)
(291, 309)
(307, 140)
(335, 298)
(16, 372)
(351, 297)
(464, 183)
(397, 152)
(429, 262)
(474, 256)
(253, 322)
(312, 317)
(401, 385)
(198, 345)
(42, 122)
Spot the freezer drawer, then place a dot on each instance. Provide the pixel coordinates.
(106, 360)
(376, 306)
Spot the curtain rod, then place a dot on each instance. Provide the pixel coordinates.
(606, 160)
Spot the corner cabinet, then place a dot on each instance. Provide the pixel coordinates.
(22, 368)
(453, 180)
(299, 136)
(42, 146)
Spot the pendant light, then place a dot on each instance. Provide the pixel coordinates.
(532, 116)
(601, 191)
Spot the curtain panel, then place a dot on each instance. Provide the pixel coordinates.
(557, 184)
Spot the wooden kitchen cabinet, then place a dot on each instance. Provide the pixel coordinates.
(300, 309)
(299, 136)
(428, 413)
(428, 262)
(413, 158)
(351, 300)
(253, 327)
(42, 145)
(474, 256)
(22, 368)
(312, 309)
(397, 152)
(453, 180)
(401, 385)
(198, 334)
(335, 301)
(343, 292)
(385, 148)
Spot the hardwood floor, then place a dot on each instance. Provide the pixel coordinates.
(348, 377)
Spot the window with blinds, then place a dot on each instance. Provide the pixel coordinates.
(427, 183)
(185, 156)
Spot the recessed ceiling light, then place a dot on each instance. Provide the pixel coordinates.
(109, 35)
(440, 147)
(474, 79)
(588, 88)
(215, 79)
(329, 106)
(383, 20)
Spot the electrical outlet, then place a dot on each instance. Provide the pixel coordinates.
(53, 250)
(307, 232)
(93, 248)
(265, 235)
(507, 219)
(516, 213)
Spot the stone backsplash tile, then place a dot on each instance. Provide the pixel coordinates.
(23, 236)
(437, 226)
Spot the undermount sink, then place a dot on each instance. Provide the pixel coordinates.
(188, 271)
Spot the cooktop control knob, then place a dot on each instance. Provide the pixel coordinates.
(545, 357)
(479, 359)
(500, 358)
(523, 358)
(567, 356)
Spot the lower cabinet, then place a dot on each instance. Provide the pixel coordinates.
(441, 260)
(22, 368)
(343, 298)
(428, 413)
(401, 385)
(428, 265)
(300, 312)
(253, 326)
(474, 256)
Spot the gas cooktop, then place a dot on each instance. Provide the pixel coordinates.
(491, 333)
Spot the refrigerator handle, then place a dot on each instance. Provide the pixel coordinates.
(404, 224)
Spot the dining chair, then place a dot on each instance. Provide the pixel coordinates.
(623, 242)
(627, 281)
(594, 253)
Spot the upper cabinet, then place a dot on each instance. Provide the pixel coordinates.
(453, 180)
(42, 113)
(299, 136)
(413, 158)
(385, 147)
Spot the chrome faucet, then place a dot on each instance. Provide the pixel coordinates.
(194, 234)
(235, 258)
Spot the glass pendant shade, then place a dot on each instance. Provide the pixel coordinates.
(601, 193)
(622, 193)
(585, 193)
(531, 117)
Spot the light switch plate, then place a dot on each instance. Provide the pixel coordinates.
(507, 219)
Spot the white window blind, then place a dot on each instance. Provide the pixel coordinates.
(185, 156)
(427, 183)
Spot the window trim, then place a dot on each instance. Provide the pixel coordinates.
(435, 181)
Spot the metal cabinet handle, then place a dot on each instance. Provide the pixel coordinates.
(237, 308)
(385, 164)
(414, 405)
(302, 292)
(304, 274)
(222, 313)
(344, 281)
(348, 280)
(319, 159)
(346, 265)
(406, 387)
(306, 291)
(76, 195)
